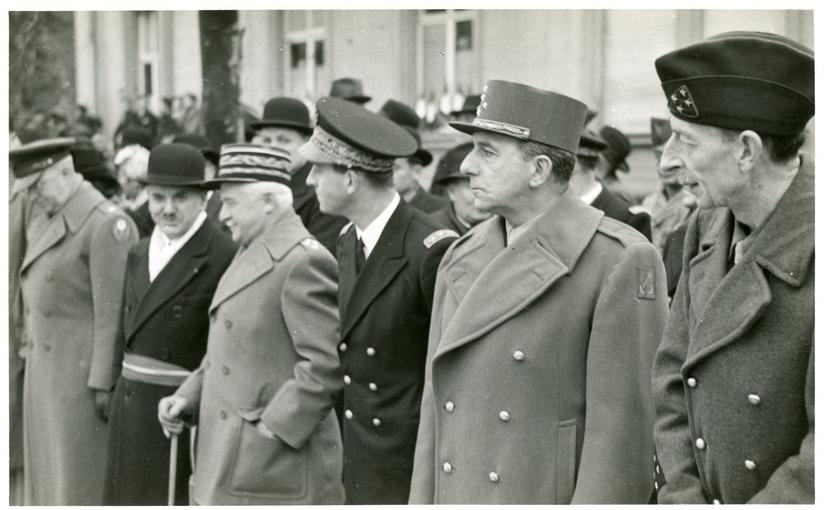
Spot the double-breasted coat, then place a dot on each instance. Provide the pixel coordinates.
(271, 357)
(540, 354)
(734, 376)
(165, 320)
(72, 284)
(385, 311)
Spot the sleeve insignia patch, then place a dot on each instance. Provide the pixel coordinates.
(645, 287)
(120, 230)
(437, 235)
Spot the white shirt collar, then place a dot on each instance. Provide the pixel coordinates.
(592, 194)
(372, 232)
(162, 249)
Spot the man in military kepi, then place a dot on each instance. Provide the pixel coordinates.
(545, 322)
(461, 215)
(170, 278)
(387, 259)
(407, 169)
(286, 125)
(734, 377)
(263, 396)
(72, 287)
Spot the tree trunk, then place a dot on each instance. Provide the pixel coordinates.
(220, 59)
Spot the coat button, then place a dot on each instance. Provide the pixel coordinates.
(716, 502)
(370, 351)
(376, 422)
(373, 386)
(343, 347)
(228, 324)
(177, 311)
(518, 355)
(165, 355)
(700, 444)
(447, 467)
(754, 399)
(504, 416)
(348, 413)
(223, 415)
(449, 406)
(225, 370)
(493, 477)
(691, 382)
(347, 379)
(750, 465)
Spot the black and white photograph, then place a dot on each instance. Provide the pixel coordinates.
(300, 254)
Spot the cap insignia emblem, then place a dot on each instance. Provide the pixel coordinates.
(681, 101)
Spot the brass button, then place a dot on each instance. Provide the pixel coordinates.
(691, 382)
(518, 355)
(750, 465)
(177, 311)
(370, 351)
(700, 444)
(447, 467)
(343, 347)
(228, 324)
(493, 477)
(347, 379)
(223, 415)
(716, 502)
(449, 406)
(225, 370)
(348, 413)
(376, 422)
(754, 399)
(373, 386)
(504, 416)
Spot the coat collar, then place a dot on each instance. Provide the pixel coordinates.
(180, 270)
(482, 270)
(259, 258)
(384, 263)
(69, 219)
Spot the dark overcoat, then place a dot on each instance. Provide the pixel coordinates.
(165, 320)
(324, 227)
(537, 388)
(271, 357)
(72, 284)
(734, 376)
(385, 314)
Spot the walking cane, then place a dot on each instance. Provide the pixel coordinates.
(172, 470)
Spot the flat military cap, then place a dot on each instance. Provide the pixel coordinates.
(350, 89)
(449, 166)
(175, 164)
(348, 135)
(659, 131)
(200, 143)
(29, 160)
(741, 80)
(248, 162)
(617, 150)
(406, 117)
(285, 112)
(591, 145)
(527, 113)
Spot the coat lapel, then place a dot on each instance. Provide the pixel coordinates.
(732, 301)
(485, 271)
(383, 264)
(180, 270)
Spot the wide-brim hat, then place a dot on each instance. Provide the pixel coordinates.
(406, 117)
(175, 164)
(350, 89)
(529, 114)
(449, 166)
(200, 143)
(91, 164)
(741, 80)
(617, 150)
(248, 162)
(285, 112)
(28, 161)
(351, 136)
(591, 145)
(422, 156)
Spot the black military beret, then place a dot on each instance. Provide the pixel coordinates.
(741, 80)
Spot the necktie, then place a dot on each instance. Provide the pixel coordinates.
(360, 256)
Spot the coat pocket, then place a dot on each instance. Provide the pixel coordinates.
(566, 464)
(265, 466)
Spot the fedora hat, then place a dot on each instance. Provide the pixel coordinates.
(350, 89)
(285, 112)
(175, 164)
(406, 117)
(200, 143)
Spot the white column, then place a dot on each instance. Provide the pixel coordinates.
(84, 60)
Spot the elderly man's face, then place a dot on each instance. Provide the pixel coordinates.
(51, 190)
(174, 209)
(705, 157)
(330, 187)
(243, 211)
(498, 172)
(463, 200)
(285, 139)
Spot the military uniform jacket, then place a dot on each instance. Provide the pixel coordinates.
(385, 314)
(272, 357)
(324, 227)
(540, 354)
(615, 207)
(733, 379)
(72, 283)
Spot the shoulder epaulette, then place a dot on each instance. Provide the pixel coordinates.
(311, 243)
(437, 235)
(620, 231)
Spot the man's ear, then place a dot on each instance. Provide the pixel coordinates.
(351, 182)
(269, 202)
(749, 150)
(541, 170)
